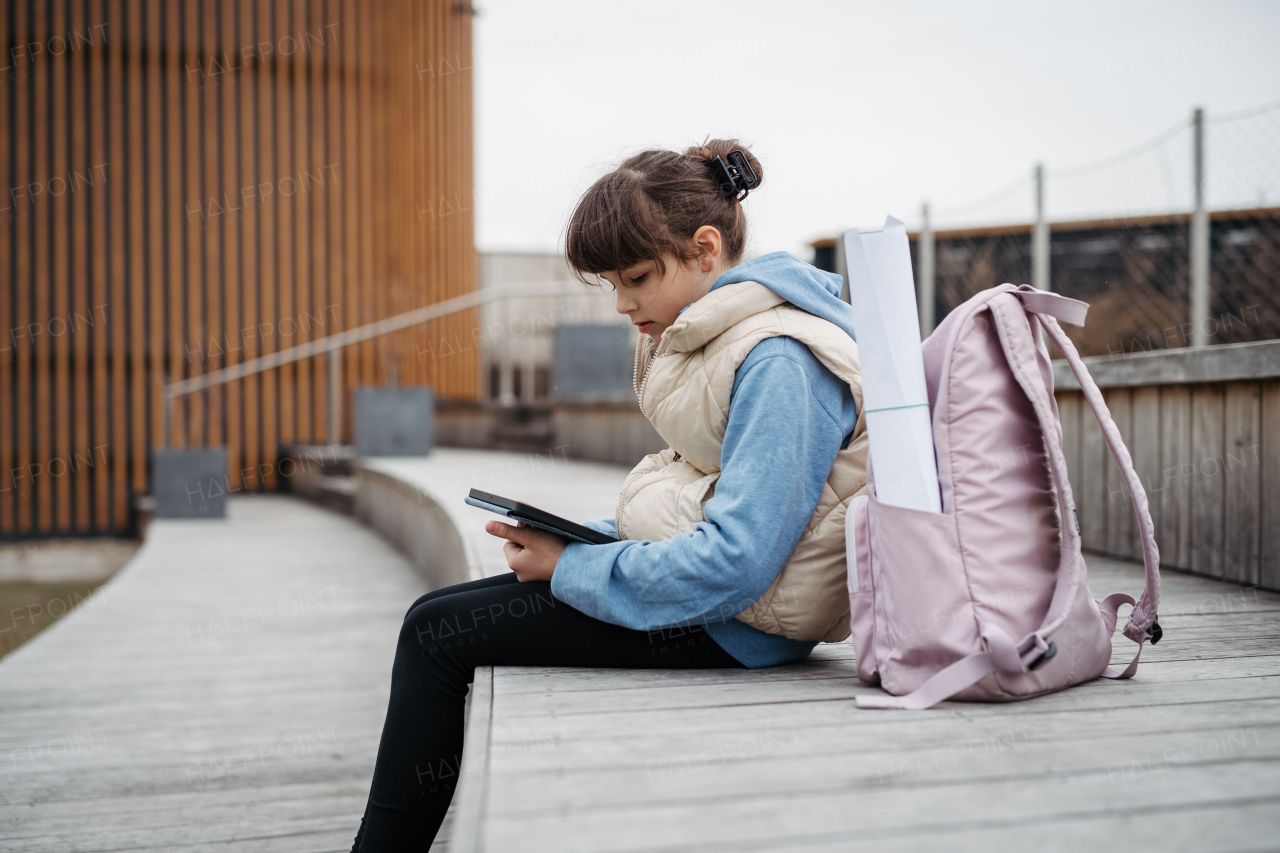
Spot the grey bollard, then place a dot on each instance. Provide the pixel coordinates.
(190, 483)
(592, 361)
(394, 421)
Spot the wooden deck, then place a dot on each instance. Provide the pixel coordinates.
(1184, 757)
(225, 691)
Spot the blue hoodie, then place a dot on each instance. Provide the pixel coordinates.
(787, 412)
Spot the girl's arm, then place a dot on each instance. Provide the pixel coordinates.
(788, 416)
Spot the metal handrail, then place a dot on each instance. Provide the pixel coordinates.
(332, 344)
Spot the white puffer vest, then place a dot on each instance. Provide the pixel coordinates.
(684, 384)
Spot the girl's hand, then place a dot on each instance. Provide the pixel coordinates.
(531, 553)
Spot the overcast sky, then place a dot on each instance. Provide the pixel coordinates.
(859, 109)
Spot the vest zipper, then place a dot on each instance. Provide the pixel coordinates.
(640, 388)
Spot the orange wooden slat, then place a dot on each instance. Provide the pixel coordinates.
(248, 336)
(336, 285)
(116, 177)
(286, 302)
(302, 200)
(84, 456)
(136, 483)
(156, 224)
(230, 92)
(319, 198)
(176, 203)
(8, 495)
(58, 466)
(216, 219)
(41, 480)
(268, 260)
(23, 354)
(195, 356)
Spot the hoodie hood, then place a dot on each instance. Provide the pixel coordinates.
(803, 285)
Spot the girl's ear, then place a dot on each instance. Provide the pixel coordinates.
(710, 246)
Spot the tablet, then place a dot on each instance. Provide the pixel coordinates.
(535, 517)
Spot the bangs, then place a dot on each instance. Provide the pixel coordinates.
(615, 226)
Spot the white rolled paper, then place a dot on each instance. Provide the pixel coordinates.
(882, 292)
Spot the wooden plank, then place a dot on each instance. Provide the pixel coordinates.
(1091, 500)
(1207, 492)
(60, 283)
(23, 409)
(194, 142)
(286, 305)
(1242, 482)
(268, 282)
(470, 800)
(177, 202)
(1269, 505)
(303, 202)
(319, 192)
(157, 199)
(338, 260)
(767, 818)
(8, 354)
(99, 271)
(1069, 403)
(371, 351)
(230, 93)
(42, 482)
(206, 51)
(95, 317)
(251, 225)
(730, 767)
(1243, 823)
(1145, 449)
(1177, 470)
(1120, 517)
(353, 308)
(136, 483)
(118, 517)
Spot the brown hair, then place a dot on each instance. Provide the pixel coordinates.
(650, 206)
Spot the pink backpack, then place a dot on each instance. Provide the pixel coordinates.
(988, 600)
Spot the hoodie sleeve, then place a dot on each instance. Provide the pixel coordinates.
(788, 416)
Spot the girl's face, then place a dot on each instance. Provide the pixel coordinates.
(653, 299)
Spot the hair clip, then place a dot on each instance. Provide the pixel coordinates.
(735, 178)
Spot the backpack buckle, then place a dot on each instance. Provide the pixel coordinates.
(1048, 653)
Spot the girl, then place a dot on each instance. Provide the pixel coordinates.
(733, 537)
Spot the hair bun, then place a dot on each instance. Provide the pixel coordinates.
(712, 148)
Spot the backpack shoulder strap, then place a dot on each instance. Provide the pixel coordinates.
(1142, 624)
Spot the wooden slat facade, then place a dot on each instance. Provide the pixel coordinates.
(194, 184)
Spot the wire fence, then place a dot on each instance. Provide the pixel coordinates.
(1121, 237)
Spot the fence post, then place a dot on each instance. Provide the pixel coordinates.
(925, 287)
(1040, 238)
(1199, 241)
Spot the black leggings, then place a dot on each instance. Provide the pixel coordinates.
(496, 621)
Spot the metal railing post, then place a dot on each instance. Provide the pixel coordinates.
(925, 289)
(1040, 238)
(1199, 240)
